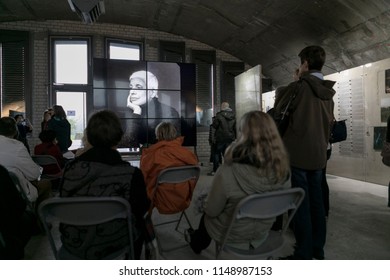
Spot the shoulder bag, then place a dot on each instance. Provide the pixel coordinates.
(339, 132)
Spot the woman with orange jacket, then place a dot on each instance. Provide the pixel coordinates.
(167, 152)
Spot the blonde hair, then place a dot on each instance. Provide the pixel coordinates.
(224, 106)
(259, 144)
(165, 131)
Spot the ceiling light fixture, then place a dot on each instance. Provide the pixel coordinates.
(88, 10)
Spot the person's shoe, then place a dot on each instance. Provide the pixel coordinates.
(212, 173)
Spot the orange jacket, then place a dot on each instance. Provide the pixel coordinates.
(171, 198)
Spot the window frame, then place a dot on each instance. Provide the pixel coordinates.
(140, 44)
(53, 87)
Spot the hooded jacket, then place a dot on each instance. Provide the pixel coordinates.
(170, 198)
(232, 183)
(225, 126)
(311, 119)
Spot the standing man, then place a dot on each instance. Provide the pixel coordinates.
(225, 133)
(306, 139)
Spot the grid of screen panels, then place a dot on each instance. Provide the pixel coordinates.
(159, 91)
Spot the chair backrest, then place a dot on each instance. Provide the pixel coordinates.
(43, 160)
(178, 174)
(48, 161)
(265, 206)
(18, 184)
(270, 205)
(170, 200)
(85, 211)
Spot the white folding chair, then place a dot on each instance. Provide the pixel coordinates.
(263, 206)
(15, 179)
(176, 175)
(47, 160)
(85, 211)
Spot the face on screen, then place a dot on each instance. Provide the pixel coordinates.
(137, 91)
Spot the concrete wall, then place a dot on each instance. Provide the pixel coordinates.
(356, 158)
(40, 32)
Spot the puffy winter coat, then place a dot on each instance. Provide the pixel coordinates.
(169, 198)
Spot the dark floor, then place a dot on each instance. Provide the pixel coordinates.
(358, 224)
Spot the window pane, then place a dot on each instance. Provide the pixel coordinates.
(124, 51)
(71, 62)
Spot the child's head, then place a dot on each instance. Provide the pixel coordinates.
(47, 136)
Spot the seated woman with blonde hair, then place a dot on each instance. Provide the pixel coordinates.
(256, 163)
(167, 152)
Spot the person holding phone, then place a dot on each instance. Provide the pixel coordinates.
(24, 128)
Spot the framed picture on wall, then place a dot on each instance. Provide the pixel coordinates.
(387, 80)
(379, 137)
(385, 109)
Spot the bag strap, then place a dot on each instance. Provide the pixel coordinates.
(287, 109)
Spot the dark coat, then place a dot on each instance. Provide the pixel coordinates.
(62, 129)
(140, 129)
(102, 172)
(225, 126)
(308, 131)
(16, 223)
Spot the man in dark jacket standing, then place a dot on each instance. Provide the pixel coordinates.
(224, 124)
(306, 139)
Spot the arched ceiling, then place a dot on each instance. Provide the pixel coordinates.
(266, 32)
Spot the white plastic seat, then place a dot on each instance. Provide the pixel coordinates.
(263, 206)
(84, 211)
(176, 175)
(22, 190)
(46, 160)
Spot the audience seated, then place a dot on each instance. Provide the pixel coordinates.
(15, 158)
(167, 152)
(256, 163)
(49, 147)
(100, 171)
(16, 223)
